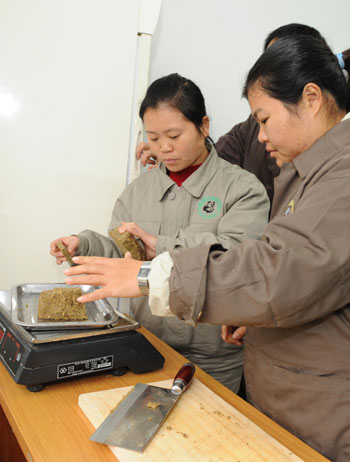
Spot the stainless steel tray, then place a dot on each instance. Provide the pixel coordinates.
(24, 311)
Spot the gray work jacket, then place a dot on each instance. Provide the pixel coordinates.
(293, 289)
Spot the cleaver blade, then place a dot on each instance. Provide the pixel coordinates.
(137, 418)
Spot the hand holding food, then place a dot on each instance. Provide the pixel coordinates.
(149, 240)
(71, 243)
(126, 242)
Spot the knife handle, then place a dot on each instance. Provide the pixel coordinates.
(183, 378)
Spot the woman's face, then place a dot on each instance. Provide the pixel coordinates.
(286, 133)
(174, 139)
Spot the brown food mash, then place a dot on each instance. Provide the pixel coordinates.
(126, 242)
(60, 304)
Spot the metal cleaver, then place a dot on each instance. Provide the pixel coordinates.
(138, 417)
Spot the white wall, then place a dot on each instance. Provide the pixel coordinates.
(215, 43)
(70, 65)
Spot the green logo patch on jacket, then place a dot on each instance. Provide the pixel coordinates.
(209, 207)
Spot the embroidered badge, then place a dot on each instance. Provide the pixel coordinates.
(290, 208)
(209, 207)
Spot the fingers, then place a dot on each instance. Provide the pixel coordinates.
(239, 333)
(140, 148)
(152, 166)
(88, 272)
(93, 296)
(70, 242)
(148, 158)
(145, 155)
(131, 227)
(149, 240)
(225, 332)
(86, 265)
(86, 280)
(233, 335)
(231, 341)
(55, 252)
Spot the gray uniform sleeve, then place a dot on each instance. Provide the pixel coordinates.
(97, 245)
(298, 273)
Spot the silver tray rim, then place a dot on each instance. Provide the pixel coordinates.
(61, 325)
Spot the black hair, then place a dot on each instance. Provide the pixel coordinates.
(290, 63)
(179, 93)
(346, 59)
(292, 30)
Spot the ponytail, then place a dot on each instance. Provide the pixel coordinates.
(344, 60)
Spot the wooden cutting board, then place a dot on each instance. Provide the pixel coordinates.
(201, 427)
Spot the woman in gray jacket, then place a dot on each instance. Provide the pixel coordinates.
(193, 198)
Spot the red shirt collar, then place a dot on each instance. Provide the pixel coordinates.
(182, 175)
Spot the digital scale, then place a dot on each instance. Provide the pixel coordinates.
(36, 358)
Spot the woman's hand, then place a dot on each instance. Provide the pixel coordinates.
(233, 335)
(144, 153)
(149, 240)
(117, 277)
(70, 242)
